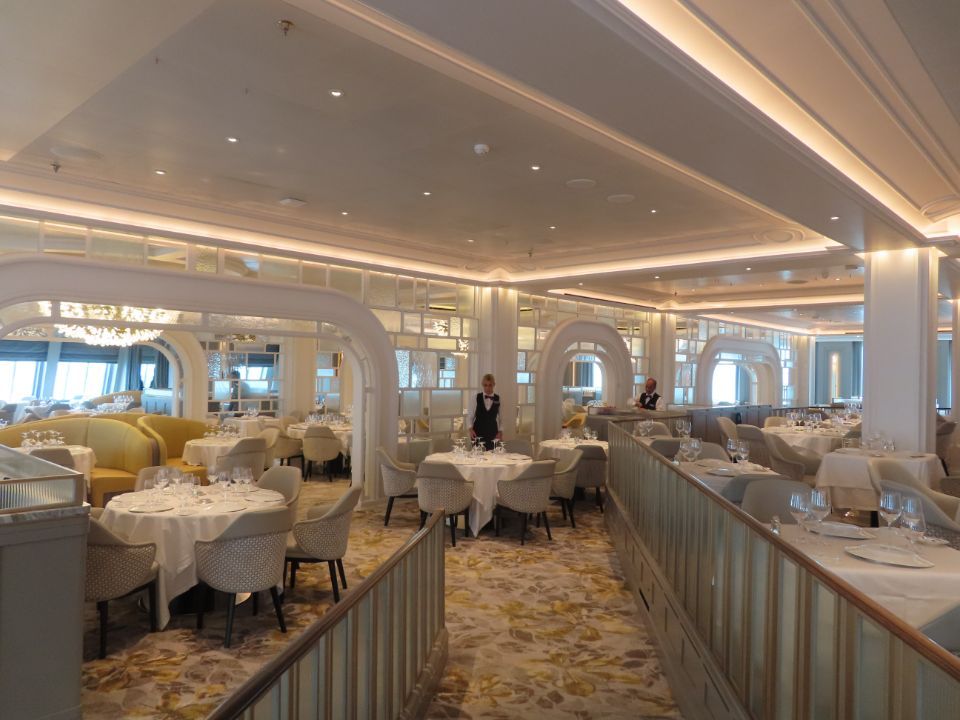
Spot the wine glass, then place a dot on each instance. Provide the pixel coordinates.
(732, 447)
(694, 447)
(743, 451)
(912, 518)
(890, 507)
(800, 508)
(223, 482)
(819, 505)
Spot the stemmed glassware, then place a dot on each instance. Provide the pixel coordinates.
(912, 519)
(743, 451)
(683, 427)
(694, 447)
(223, 482)
(819, 505)
(732, 447)
(890, 507)
(243, 477)
(800, 508)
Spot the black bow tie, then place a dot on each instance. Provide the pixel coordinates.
(488, 397)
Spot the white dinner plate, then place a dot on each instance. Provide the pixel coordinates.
(933, 541)
(842, 530)
(162, 507)
(227, 507)
(264, 496)
(722, 472)
(888, 555)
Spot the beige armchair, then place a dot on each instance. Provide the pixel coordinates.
(270, 436)
(248, 452)
(763, 500)
(758, 444)
(592, 470)
(286, 481)
(565, 484)
(399, 480)
(319, 445)
(518, 445)
(115, 569)
(247, 557)
(795, 463)
(323, 537)
(441, 487)
(774, 421)
(527, 494)
(728, 430)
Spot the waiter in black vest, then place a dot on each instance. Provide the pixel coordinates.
(485, 414)
(649, 399)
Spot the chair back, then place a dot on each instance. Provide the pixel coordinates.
(320, 444)
(659, 428)
(892, 471)
(782, 458)
(774, 421)
(248, 555)
(592, 468)
(442, 444)
(728, 429)
(398, 478)
(932, 513)
(712, 451)
(529, 492)
(734, 490)
(248, 452)
(440, 486)
(325, 537)
(270, 435)
(565, 475)
(765, 499)
(758, 444)
(442, 470)
(57, 455)
(287, 481)
(518, 445)
(145, 475)
(668, 447)
(115, 567)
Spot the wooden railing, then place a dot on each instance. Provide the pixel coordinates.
(749, 626)
(377, 654)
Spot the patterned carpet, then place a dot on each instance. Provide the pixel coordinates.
(547, 630)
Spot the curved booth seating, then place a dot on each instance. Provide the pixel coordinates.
(121, 451)
(111, 397)
(171, 434)
(130, 418)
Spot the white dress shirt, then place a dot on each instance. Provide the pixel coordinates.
(661, 402)
(487, 403)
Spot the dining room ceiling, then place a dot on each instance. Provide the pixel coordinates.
(402, 139)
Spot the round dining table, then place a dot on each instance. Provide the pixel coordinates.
(821, 441)
(561, 450)
(251, 426)
(205, 451)
(484, 472)
(157, 517)
(344, 433)
(84, 459)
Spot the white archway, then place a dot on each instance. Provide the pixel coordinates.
(611, 351)
(71, 280)
(760, 357)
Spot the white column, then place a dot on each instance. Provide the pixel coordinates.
(955, 362)
(900, 336)
(298, 357)
(663, 352)
(498, 351)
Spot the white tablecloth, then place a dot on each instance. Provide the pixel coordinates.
(917, 595)
(84, 459)
(344, 433)
(561, 450)
(251, 426)
(205, 451)
(175, 534)
(853, 475)
(701, 470)
(484, 475)
(820, 441)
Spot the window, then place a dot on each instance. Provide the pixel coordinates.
(725, 384)
(18, 378)
(82, 379)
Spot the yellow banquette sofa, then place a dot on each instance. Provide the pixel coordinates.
(171, 434)
(137, 396)
(121, 450)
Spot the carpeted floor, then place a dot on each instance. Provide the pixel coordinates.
(545, 630)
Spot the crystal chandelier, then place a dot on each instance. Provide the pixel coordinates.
(113, 336)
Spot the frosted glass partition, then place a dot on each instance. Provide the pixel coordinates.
(29, 483)
(758, 629)
(378, 653)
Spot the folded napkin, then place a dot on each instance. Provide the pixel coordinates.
(712, 463)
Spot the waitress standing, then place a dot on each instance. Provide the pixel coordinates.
(485, 414)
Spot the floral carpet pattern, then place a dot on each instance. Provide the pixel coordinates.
(547, 630)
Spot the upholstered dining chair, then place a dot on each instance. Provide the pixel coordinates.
(564, 483)
(527, 494)
(319, 445)
(933, 514)
(441, 487)
(712, 451)
(944, 439)
(287, 448)
(795, 463)
(728, 430)
(734, 490)
(248, 452)
(270, 436)
(57, 455)
(592, 470)
(115, 569)
(758, 444)
(668, 447)
(521, 446)
(247, 557)
(323, 537)
(145, 476)
(287, 481)
(774, 421)
(399, 480)
(442, 444)
(893, 471)
(765, 499)
(659, 428)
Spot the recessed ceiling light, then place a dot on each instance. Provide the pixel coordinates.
(749, 269)
(834, 217)
(469, 240)
(620, 198)
(580, 284)
(344, 212)
(160, 172)
(553, 227)
(292, 202)
(427, 193)
(653, 212)
(656, 277)
(232, 139)
(336, 93)
(534, 167)
(581, 184)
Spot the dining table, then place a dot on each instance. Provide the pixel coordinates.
(84, 459)
(205, 451)
(852, 475)
(342, 431)
(153, 516)
(561, 450)
(924, 584)
(250, 426)
(716, 474)
(820, 440)
(484, 472)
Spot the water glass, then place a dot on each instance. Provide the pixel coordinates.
(732, 447)
(694, 448)
(912, 518)
(800, 508)
(223, 482)
(890, 507)
(743, 451)
(819, 504)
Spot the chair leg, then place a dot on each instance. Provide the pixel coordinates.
(286, 564)
(278, 608)
(152, 596)
(496, 523)
(201, 601)
(333, 580)
(294, 566)
(386, 518)
(523, 528)
(546, 524)
(466, 524)
(573, 523)
(343, 575)
(231, 609)
(423, 519)
(256, 603)
(599, 500)
(563, 507)
(538, 519)
(102, 607)
(453, 529)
